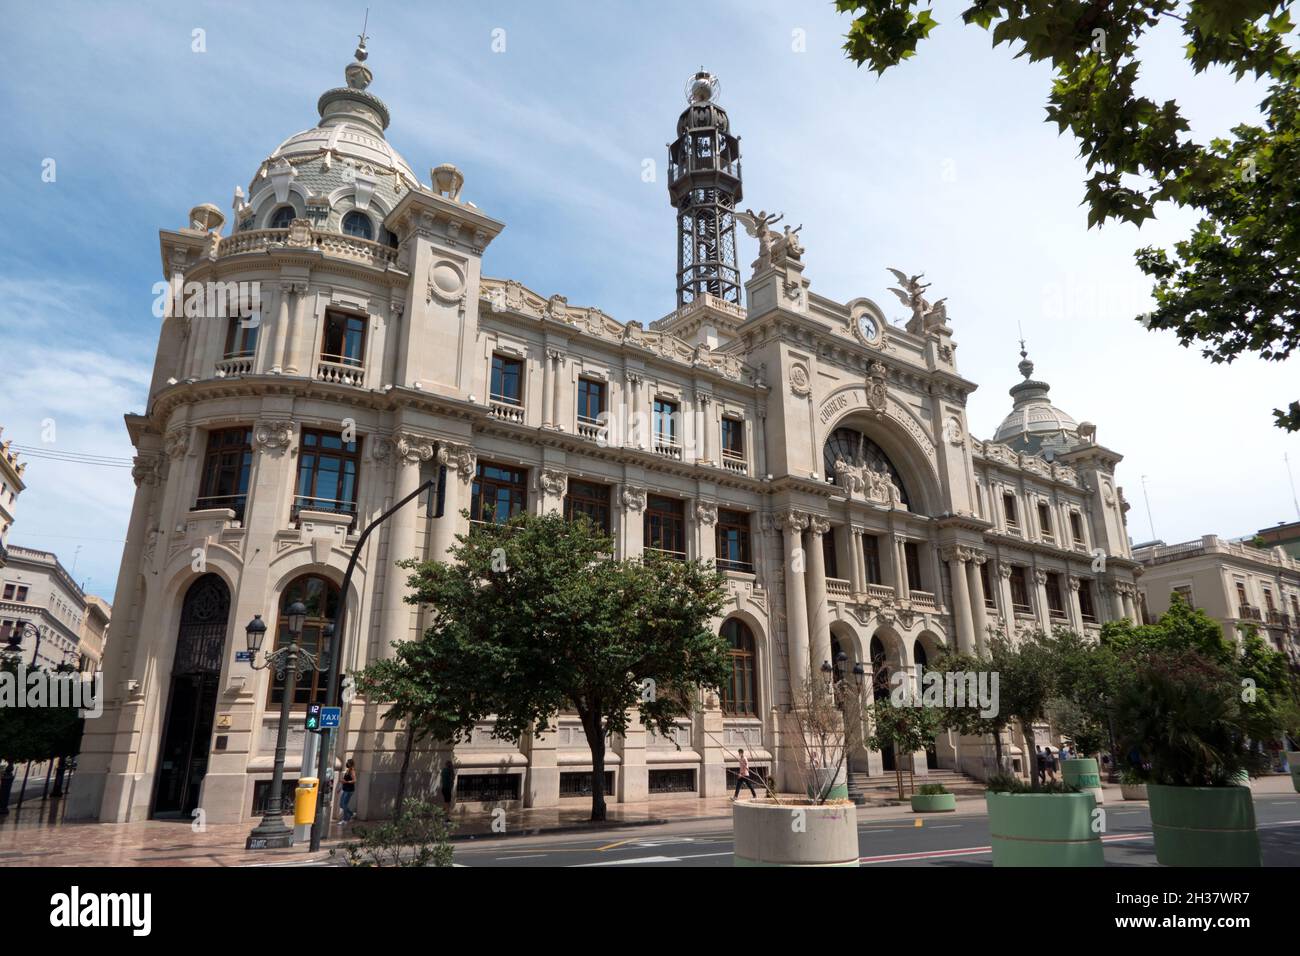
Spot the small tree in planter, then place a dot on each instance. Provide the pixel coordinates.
(908, 727)
(1182, 720)
(1041, 824)
(970, 719)
(1027, 678)
(820, 828)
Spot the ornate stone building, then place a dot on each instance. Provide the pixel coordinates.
(820, 454)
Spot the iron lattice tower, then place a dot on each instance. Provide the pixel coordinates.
(704, 187)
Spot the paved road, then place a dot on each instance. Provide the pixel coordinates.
(942, 840)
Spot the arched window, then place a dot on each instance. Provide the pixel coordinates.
(920, 656)
(854, 448)
(740, 694)
(358, 224)
(321, 596)
(879, 670)
(281, 218)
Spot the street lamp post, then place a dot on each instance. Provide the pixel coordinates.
(289, 661)
(13, 650)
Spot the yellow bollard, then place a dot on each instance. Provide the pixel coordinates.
(304, 801)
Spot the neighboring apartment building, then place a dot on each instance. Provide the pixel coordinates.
(37, 591)
(94, 632)
(11, 486)
(1231, 581)
(818, 453)
(1284, 535)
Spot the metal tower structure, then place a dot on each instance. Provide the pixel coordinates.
(704, 187)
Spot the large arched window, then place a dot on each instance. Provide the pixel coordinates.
(281, 218)
(880, 685)
(358, 224)
(740, 694)
(854, 448)
(321, 596)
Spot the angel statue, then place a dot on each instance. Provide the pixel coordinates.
(924, 315)
(759, 226)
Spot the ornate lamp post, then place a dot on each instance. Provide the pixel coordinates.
(289, 661)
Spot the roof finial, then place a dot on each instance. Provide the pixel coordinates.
(361, 47)
(358, 74)
(1026, 367)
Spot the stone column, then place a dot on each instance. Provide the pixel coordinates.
(975, 584)
(796, 599)
(705, 401)
(407, 451)
(902, 589)
(548, 388)
(1130, 607)
(1008, 610)
(631, 520)
(460, 463)
(634, 430)
(295, 330)
(551, 485)
(1116, 603)
(1040, 595)
(957, 559)
(1076, 609)
(857, 579)
(543, 781)
(818, 615)
(281, 327)
(556, 356)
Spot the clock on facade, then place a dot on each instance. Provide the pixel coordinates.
(867, 327)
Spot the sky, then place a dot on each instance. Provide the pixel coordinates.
(944, 166)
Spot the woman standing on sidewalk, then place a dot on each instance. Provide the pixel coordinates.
(348, 791)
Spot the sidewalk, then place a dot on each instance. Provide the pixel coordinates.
(37, 839)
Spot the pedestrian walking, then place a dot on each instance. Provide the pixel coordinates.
(349, 789)
(1040, 763)
(742, 776)
(447, 780)
(1053, 765)
(1065, 751)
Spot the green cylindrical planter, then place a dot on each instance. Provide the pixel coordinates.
(933, 802)
(1082, 772)
(1043, 829)
(1204, 826)
(1293, 761)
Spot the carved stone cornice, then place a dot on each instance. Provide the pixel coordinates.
(176, 443)
(632, 498)
(408, 448)
(148, 469)
(272, 436)
(552, 481)
(458, 456)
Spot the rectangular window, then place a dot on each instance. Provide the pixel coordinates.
(328, 469)
(871, 554)
(1045, 520)
(507, 380)
(16, 593)
(9, 592)
(1268, 600)
(665, 421)
(1076, 529)
(986, 582)
(498, 493)
(1009, 508)
(1020, 591)
(344, 341)
(672, 781)
(733, 439)
(591, 400)
(487, 787)
(829, 561)
(665, 525)
(577, 783)
(1184, 591)
(590, 499)
(226, 463)
(913, 555)
(241, 338)
(1086, 609)
(733, 542)
(1055, 602)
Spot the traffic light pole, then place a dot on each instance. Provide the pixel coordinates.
(320, 829)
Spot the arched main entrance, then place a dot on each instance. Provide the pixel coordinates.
(192, 697)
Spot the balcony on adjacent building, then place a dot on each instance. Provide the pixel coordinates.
(1248, 613)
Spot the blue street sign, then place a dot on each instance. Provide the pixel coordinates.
(246, 656)
(330, 717)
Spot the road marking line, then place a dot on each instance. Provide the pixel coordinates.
(652, 859)
(611, 846)
(527, 856)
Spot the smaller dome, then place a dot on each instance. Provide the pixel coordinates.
(1035, 426)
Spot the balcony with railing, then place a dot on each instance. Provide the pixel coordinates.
(504, 410)
(333, 506)
(340, 370)
(235, 503)
(924, 599)
(239, 363)
(879, 592)
(588, 428)
(1248, 613)
(733, 461)
(334, 244)
(668, 447)
(838, 588)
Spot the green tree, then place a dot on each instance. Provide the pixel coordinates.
(35, 733)
(908, 727)
(534, 616)
(1027, 680)
(1233, 285)
(414, 685)
(969, 718)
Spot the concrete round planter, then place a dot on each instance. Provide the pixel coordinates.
(1082, 772)
(1204, 826)
(1133, 791)
(771, 834)
(1043, 829)
(933, 802)
(1293, 761)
